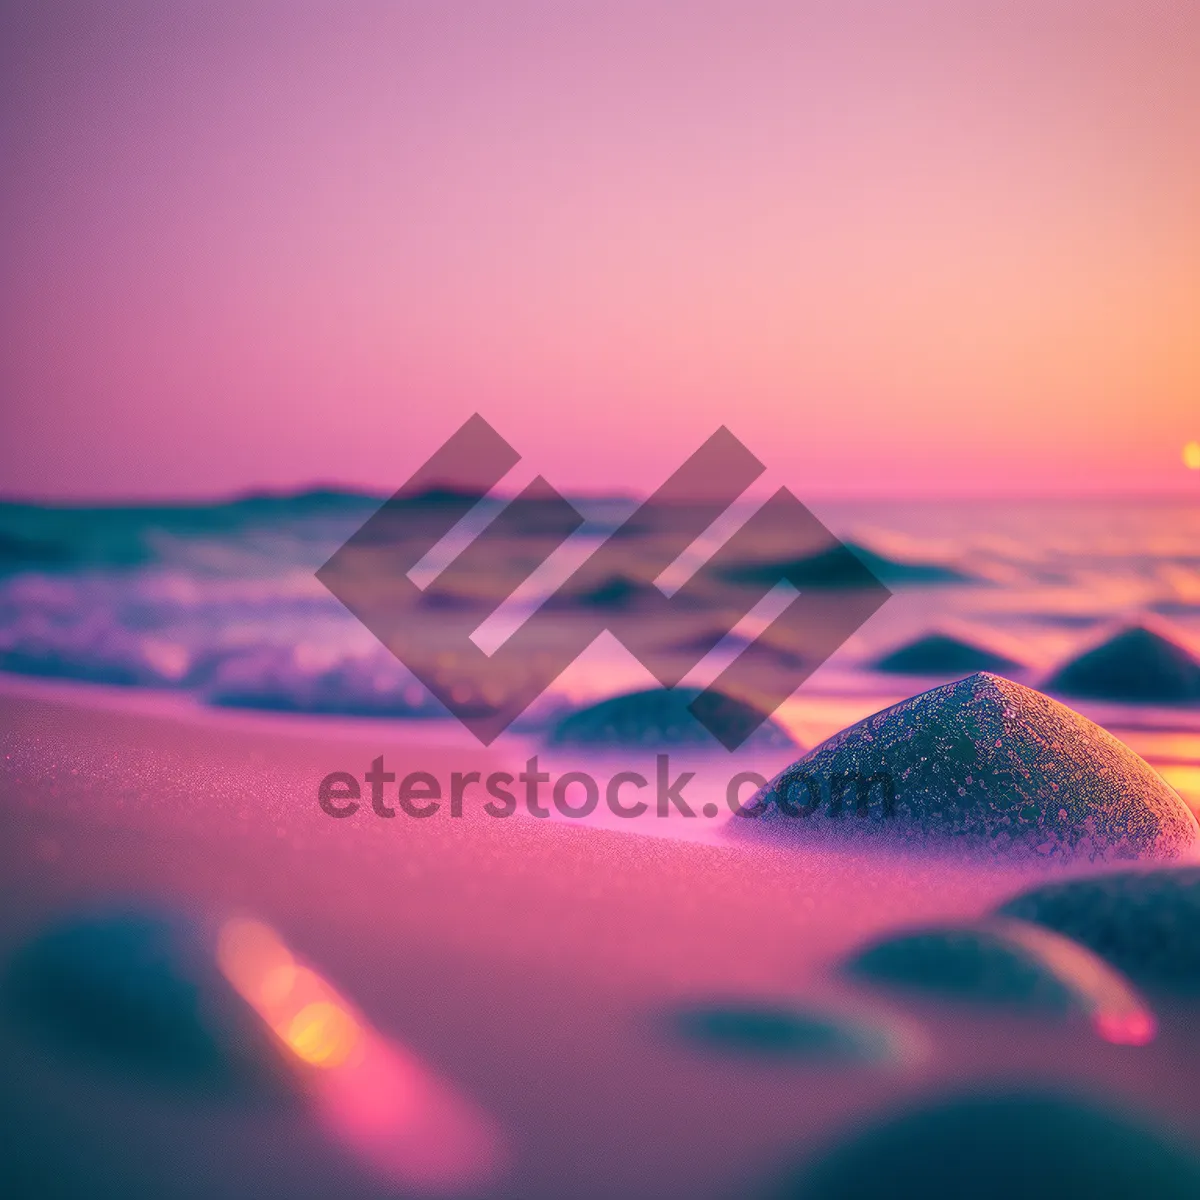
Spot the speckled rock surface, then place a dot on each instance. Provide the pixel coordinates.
(1146, 923)
(655, 717)
(998, 1147)
(980, 766)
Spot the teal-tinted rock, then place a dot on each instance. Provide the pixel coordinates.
(139, 990)
(944, 654)
(1139, 664)
(657, 717)
(1146, 923)
(1000, 1147)
(847, 565)
(972, 963)
(778, 1033)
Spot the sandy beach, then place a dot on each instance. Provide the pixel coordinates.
(534, 965)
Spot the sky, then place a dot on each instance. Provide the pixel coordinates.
(898, 249)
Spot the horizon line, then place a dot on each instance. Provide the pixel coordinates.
(282, 494)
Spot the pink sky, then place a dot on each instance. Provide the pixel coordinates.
(896, 249)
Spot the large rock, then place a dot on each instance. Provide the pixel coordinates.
(1146, 923)
(983, 765)
(998, 1147)
(1140, 663)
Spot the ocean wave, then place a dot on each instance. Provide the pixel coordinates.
(222, 600)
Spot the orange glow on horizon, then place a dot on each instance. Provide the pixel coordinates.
(903, 257)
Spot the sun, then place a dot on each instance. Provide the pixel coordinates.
(1191, 456)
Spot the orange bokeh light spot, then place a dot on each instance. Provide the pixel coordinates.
(370, 1092)
(323, 1034)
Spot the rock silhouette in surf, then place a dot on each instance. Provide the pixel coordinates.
(655, 717)
(944, 654)
(1141, 663)
(842, 566)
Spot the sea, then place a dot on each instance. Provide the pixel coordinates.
(219, 603)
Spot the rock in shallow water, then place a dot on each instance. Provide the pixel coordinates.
(1140, 663)
(944, 654)
(1000, 1147)
(981, 766)
(1146, 923)
(842, 566)
(655, 717)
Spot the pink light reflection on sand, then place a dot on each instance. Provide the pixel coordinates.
(372, 1095)
(1117, 1013)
